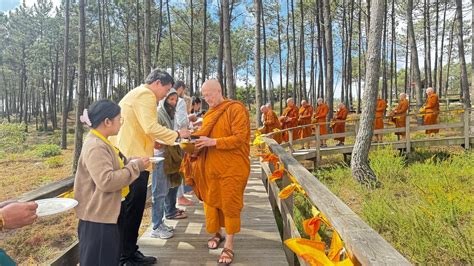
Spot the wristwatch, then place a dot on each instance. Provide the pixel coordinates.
(177, 131)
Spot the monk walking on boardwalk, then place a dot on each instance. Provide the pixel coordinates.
(289, 118)
(320, 117)
(339, 122)
(431, 111)
(379, 113)
(399, 114)
(220, 169)
(270, 122)
(304, 118)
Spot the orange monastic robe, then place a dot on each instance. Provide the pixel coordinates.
(401, 115)
(305, 114)
(381, 107)
(220, 173)
(341, 115)
(292, 114)
(270, 122)
(431, 112)
(320, 117)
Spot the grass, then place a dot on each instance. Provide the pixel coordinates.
(424, 208)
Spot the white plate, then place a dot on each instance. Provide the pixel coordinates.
(161, 142)
(54, 205)
(156, 159)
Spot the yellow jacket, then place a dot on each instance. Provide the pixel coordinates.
(140, 128)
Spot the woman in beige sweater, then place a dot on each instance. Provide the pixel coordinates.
(102, 179)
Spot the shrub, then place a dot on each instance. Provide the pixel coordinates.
(12, 137)
(54, 162)
(47, 150)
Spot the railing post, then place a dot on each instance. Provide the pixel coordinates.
(407, 133)
(286, 221)
(290, 139)
(466, 128)
(318, 147)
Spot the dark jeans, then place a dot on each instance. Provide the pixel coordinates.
(170, 202)
(131, 215)
(99, 243)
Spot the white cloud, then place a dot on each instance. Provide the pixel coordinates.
(32, 2)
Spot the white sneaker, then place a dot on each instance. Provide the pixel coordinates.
(161, 232)
(167, 227)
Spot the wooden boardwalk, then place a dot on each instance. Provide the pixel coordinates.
(309, 154)
(258, 243)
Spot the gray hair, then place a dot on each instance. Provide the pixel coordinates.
(162, 76)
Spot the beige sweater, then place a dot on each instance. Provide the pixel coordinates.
(99, 181)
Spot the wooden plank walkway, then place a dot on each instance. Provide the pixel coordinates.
(258, 243)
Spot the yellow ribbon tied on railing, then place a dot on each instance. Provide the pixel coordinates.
(258, 139)
(288, 190)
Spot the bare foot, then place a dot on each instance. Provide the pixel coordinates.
(183, 201)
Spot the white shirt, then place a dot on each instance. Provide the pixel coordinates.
(181, 116)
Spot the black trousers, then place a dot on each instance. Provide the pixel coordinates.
(99, 243)
(131, 215)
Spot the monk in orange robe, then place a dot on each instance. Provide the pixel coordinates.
(305, 113)
(431, 111)
(399, 114)
(220, 168)
(270, 122)
(289, 119)
(379, 113)
(320, 117)
(339, 123)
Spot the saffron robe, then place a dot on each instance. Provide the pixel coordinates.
(431, 113)
(379, 112)
(220, 173)
(292, 114)
(320, 117)
(340, 127)
(305, 113)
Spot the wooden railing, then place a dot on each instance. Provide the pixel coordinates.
(352, 127)
(362, 243)
(70, 256)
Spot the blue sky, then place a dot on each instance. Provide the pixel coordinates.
(6, 5)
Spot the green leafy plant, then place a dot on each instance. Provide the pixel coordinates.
(47, 150)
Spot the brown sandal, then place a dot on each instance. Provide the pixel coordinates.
(217, 239)
(226, 254)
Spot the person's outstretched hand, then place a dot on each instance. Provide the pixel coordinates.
(184, 133)
(19, 214)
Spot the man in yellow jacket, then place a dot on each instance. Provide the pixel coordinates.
(137, 138)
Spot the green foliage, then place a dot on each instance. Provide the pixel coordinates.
(424, 208)
(47, 150)
(54, 162)
(12, 137)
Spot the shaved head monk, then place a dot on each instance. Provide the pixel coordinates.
(289, 119)
(219, 170)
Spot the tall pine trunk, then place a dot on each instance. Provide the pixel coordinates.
(258, 73)
(81, 90)
(360, 167)
(65, 80)
(230, 88)
(414, 55)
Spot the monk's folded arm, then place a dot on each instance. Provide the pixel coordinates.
(147, 117)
